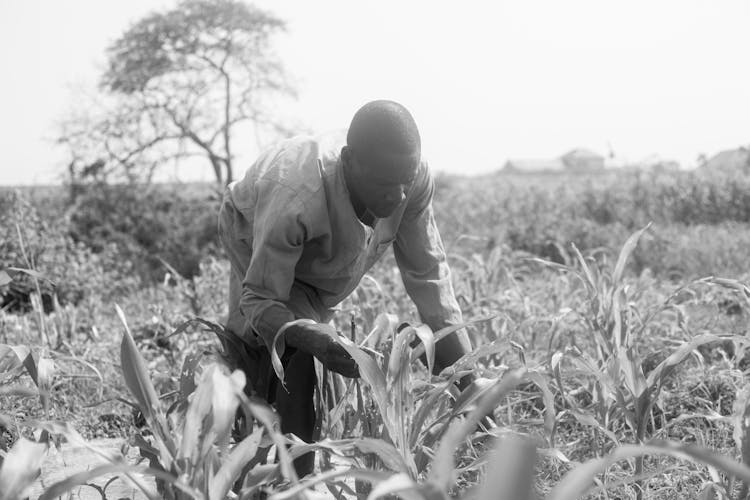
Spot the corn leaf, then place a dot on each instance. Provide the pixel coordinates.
(443, 465)
(428, 341)
(193, 432)
(386, 452)
(444, 332)
(478, 387)
(371, 476)
(398, 484)
(627, 249)
(587, 419)
(590, 282)
(383, 325)
(658, 375)
(510, 473)
(632, 372)
(369, 371)
(64, 486)
(4, 277)
(550, 414)
(21, 466)
(220, 484)
(187, 374)
(137, 379)
(741, 432)
(579, 480)
(279, 346)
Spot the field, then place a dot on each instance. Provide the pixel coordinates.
(608, 315)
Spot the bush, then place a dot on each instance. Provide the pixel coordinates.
(30, 239)
(699, 217)
(149, 225)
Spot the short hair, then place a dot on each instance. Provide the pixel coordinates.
(383, 125)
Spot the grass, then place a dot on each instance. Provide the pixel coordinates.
(613, 344)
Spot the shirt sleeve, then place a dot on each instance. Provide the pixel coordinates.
(277, 243)
(421, 259)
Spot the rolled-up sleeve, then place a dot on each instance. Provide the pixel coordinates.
(277, 242)
(421, 259)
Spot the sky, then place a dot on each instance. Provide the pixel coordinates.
(485, 80)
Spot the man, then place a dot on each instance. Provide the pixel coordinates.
(302, 228)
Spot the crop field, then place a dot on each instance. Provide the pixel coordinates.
(608, 316)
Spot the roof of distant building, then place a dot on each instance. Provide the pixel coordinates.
(535, 165)
(581, 153)
(729, 159)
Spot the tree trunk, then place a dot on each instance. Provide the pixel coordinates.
(216, 164)
(230, 174)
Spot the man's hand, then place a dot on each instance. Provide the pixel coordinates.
(315, 340)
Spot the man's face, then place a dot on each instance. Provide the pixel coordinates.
(383, 180)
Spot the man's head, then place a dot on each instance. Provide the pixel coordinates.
(381, 156)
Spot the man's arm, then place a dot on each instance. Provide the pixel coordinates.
(279, 233)
(424, 270)
(278, 240)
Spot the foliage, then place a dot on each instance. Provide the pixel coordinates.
(149, 226)
(180, 83)
(588, 359)
(39, 242)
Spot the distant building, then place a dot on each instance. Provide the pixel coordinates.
(731, 160)
(583, 160)
(576, 160)
(531, 166)
(655, 163)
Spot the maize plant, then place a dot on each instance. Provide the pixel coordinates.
(622, 391)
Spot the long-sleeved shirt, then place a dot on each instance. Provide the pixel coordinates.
(293, 210)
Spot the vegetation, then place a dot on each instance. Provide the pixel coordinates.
(179, 84)
(608, 316)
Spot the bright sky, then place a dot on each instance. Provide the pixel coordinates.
(485, 80)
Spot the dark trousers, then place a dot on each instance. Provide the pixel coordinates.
(295, 404)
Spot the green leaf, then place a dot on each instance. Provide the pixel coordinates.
(383, 325)
(444, 332)
(386, 452)
(627, 249)
(428, 341)
(589, 420)
(510, 473)
(590, 282)
(478, 387)
(4, 277)
(187, 374)
(21, 466)
(371, 476)
(279, 346)
(550, 414)
(193, 431)
(400, 357)
(264, 414)
(632, 372)
(369, 371)
(12, 357)
(400, 485)
(443, 465)
(579, 480)
(658, 375)
(139, 384)
(220, 484)
(61, 487)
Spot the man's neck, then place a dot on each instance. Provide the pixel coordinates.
(359, 208)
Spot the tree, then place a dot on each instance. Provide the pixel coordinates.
(177, 85)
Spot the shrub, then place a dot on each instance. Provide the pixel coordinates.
(29, 239)
(149, 225)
